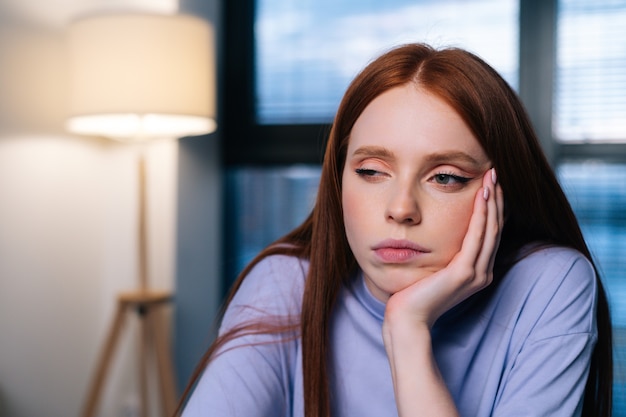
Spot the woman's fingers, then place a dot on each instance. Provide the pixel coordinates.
(480, 244)
(493, 225)
(474, 238)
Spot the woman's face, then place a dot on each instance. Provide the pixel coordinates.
(411, 174)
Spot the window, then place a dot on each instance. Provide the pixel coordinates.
(597, 192)
(266, 203)
(306, 52)
(590, 99)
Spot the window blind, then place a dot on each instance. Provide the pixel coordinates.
(597, 193)
(590, 96)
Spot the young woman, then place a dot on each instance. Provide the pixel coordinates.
(441, 272)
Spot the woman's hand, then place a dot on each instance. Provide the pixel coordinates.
(468, 272)
(410, 313)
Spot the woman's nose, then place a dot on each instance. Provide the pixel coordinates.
(403, 207)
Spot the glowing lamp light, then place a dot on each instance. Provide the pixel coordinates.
(140, 126)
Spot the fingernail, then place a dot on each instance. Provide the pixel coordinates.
(486, 193)
(494, 177)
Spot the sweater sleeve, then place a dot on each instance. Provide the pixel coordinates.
(252, 374)
(549, 371)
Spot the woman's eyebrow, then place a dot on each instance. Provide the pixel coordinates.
(453, 156)
(433, 158)
(375, 151)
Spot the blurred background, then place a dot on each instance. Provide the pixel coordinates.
(68, 203)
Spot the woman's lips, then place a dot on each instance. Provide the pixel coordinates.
(398, 251)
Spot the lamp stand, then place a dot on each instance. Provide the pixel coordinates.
(149, 307)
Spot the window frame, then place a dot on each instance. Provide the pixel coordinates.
(246, 142)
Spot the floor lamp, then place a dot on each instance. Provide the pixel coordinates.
(134, 78)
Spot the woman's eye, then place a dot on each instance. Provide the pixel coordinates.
(449, 179)
(367, 172)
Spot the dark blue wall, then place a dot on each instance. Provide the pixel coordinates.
(198, 281)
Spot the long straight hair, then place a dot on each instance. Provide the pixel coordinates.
(536, 209)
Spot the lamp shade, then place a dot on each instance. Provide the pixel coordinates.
(141, 76)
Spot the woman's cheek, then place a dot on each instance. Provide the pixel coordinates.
(456, 219)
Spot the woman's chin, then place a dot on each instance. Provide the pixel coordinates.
(384, 287)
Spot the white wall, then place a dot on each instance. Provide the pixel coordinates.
(67, 231)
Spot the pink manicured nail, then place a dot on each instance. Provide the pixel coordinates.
(494, 177)
(486, 193)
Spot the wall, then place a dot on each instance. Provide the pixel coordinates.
(199, 271)
(67, 231)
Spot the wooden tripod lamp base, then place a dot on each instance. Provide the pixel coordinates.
(149, 307)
